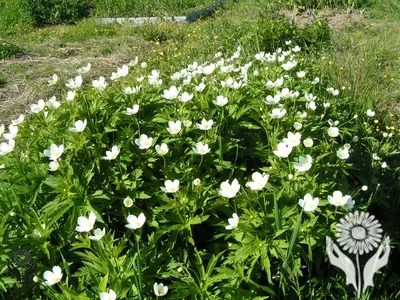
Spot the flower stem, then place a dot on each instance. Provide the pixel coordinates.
(139, 265)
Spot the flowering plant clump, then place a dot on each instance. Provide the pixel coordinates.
(232, 171)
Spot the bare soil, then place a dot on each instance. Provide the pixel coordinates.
(337, 20)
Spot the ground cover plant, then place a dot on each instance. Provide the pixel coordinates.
(218, 180)
(93, 209)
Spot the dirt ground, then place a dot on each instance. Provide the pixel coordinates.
(337, 20)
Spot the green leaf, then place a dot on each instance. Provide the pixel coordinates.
(103, 284)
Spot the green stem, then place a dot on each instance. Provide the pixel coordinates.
(277, 219)
(140, 285)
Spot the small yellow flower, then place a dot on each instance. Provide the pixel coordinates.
(376, 121)
(341, 68)
(390, 115)
(365, 123)
(392, 128)
(330, 62)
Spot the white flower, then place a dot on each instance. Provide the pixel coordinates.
(196, 182)
(233, 222)
(315, 81)
(140, 79)
(207, 70)
(349, 204)
(2, 129)
(277, 83)
(200, 87)
(205, 125)
(74, 83)
(296, 49)
(326, 104)
(12, 132)
(370, 113)
(293, 139)
(160, 290)
(130, 90)
(70, 95)
(144, 142)
(308, 142)
(297, 125)
(187, 123)
(343, 153)
(79, 126)
(337, 199)
(132, 111)
(52, 277)
(333, 131)
(288, 42)
(364, 188)
(86, 224)
(229, 190)
(273, 100)
(54, 165)
(54, 152)
(133, 62)
(277, 113)
(172, 93)
(128, 202)
(18, 121)
(84, 69)
(302, 114)
(355, 139)
(99, 84)
(283, 150)
(333, 91)
(310, 97)
(308, 203)
(290, 176)
(289, 65)
(311, 105)
(375, 156)
(259, 181)
(110, 155)
(53, 103)
(111, 295)
(53, 80)
(135, 222)
(201, 149)
(384, 165)
(153, 78)
(185, 97)
(35, 108)
(162, 150)
(304, 163)
(171, 186)
(98, 234)
(143, 65)
(6, 148)
(121, 72)
(301, 74)
(221, 101)
(174, 127)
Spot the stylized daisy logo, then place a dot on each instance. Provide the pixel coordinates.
(358, 233)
